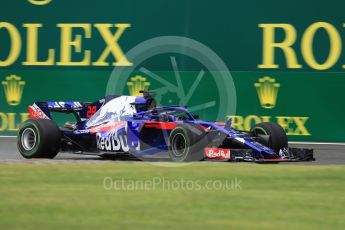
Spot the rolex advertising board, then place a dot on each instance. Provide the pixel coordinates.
(253, 61)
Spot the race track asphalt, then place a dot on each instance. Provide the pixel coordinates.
(325, 154)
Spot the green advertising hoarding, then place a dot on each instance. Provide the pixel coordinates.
(300, 104)
(285, 63)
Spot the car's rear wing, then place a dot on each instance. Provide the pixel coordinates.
(80, 110)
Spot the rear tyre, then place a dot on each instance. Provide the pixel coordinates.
(187, 143)
(39, 138)
(276, 136)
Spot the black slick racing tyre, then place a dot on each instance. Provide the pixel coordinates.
(187, 143)
(39, 138)
(277, 138)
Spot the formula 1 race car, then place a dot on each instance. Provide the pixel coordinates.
(134, 126)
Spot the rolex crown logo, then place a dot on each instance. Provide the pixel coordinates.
(13, 86)
(267, 90)
(136, 84)
(40, 2)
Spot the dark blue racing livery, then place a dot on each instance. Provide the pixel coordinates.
(136, 127)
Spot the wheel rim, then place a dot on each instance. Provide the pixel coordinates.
(259, 130)
(28, 139)
(179, 145)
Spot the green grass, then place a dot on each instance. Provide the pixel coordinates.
(72, 196)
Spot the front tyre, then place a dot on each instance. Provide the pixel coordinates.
(276, 136)
(39, 138)
(187, 143)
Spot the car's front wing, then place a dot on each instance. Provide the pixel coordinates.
(249, 155)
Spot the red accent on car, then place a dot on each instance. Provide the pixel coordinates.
(160, 125)
(218, 153)
(204, 128)
(35, 113)
(91, 110)
(107, 127)
(32, 113)
(219, 123)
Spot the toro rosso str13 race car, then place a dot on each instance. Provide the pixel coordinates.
(135, 126)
